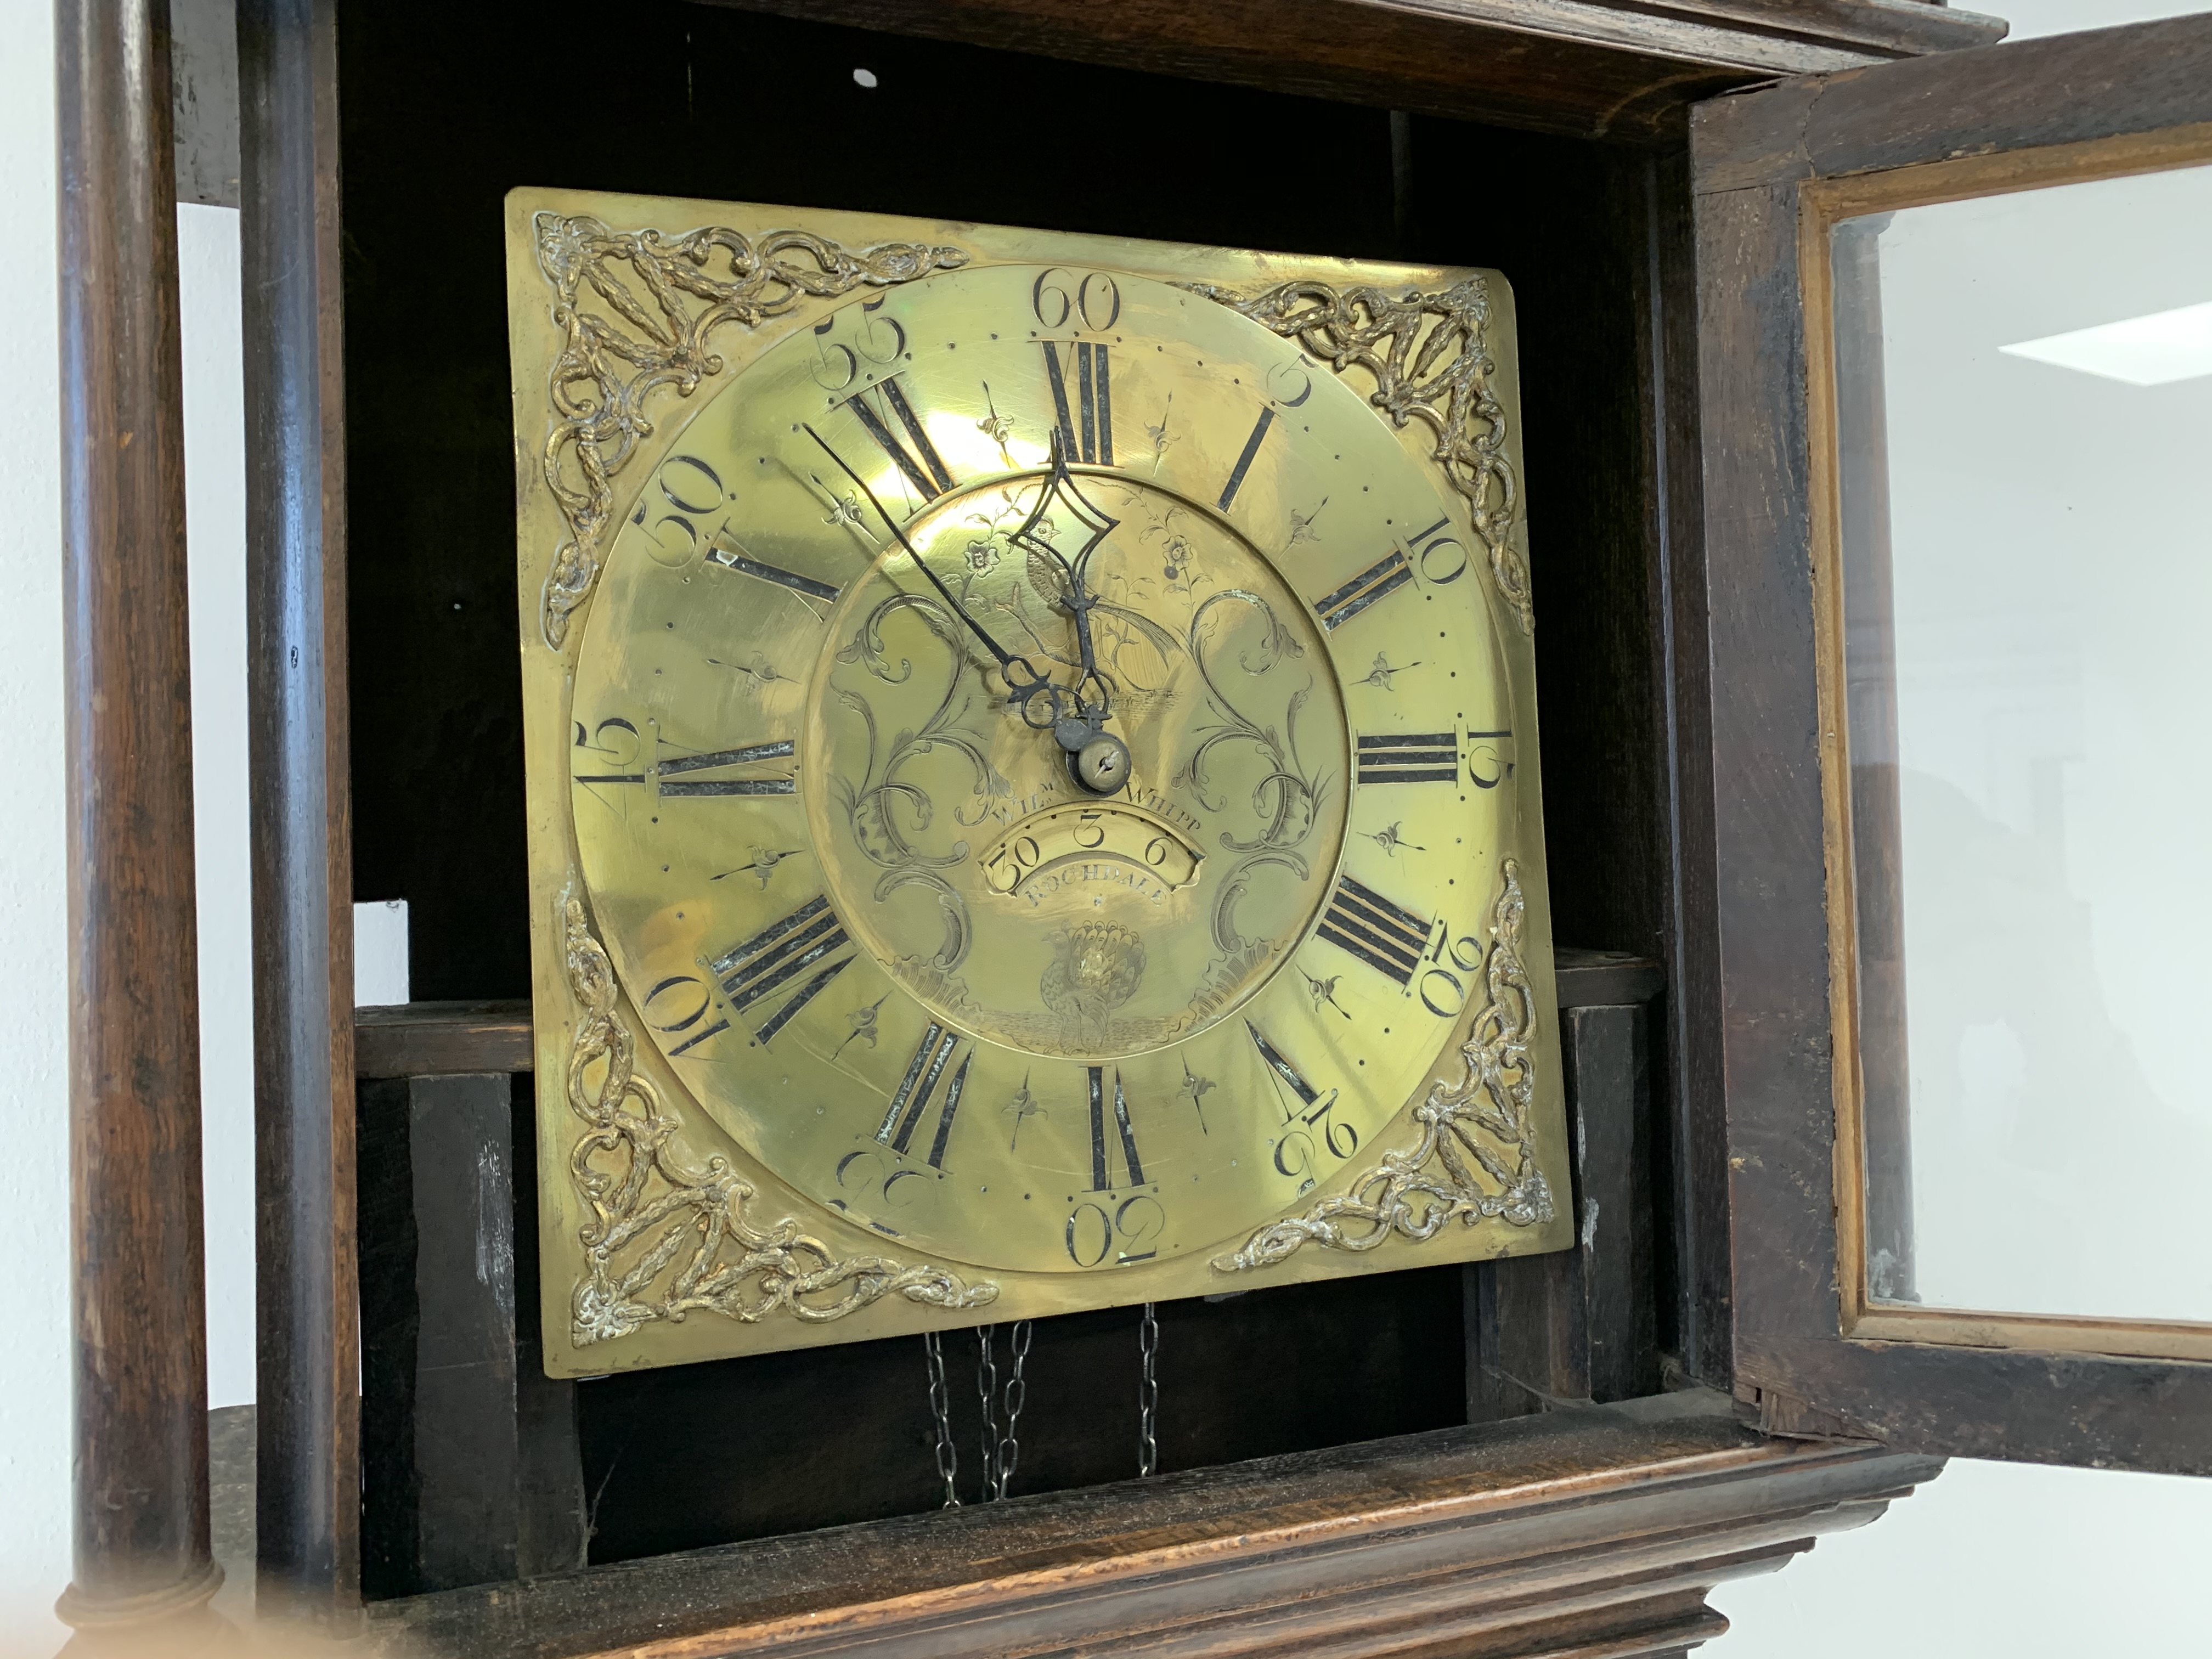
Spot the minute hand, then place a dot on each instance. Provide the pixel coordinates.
(1005, 657)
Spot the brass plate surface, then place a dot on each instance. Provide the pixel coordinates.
(855, 1014)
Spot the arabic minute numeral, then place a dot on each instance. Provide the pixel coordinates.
(1481, 751)
(873, 339)
(1442, 991)
(1061, 299)
(679, 1004)
(1128, 1231)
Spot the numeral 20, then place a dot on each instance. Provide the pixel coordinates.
(1136, 1221)
(1466, 956)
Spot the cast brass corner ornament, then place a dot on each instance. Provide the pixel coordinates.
(1415, 1191)
(1367, 328)
(652, 329)
(649, 1209)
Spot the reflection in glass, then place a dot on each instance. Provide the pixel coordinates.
(2028, 599)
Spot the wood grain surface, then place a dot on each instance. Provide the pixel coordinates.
(139, 1349)
(1589, 1532)
(309, 1496)
(1589, 71)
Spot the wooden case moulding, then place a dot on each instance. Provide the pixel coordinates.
(1592, 1532)
(1591, 70)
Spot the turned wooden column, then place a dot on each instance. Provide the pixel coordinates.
(307, 1501)
(141, 1468)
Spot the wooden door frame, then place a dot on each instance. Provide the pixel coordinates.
(1770, 169)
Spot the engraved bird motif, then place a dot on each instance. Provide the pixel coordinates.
(1097, 968)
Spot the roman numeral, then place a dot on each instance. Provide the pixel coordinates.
(923, 468)
(666, 770)
(779, 953)
(1289, 1074)
(1094, 440)
(1386, 936)
(1244, 461)
(727, 554)
(1379, 580)
(782, 748)
(1408, 757)
(1102, 1162)
(912, 1097)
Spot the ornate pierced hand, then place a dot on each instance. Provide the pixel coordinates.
(1077, 718)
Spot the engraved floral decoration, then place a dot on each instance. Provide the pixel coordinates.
(875, 803)
(1442, 380)
(637, 311)
(664, 1239)
(1290, 797)
(1452, 1172)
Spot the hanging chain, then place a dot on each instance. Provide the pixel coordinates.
(1010, 1448)
(1148, 1394)
(940, 1403)
(987, 1391)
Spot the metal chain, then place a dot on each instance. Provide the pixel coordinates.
(940, 1403)
(1148, 1394)
(1010, 1448)
(987, 1391)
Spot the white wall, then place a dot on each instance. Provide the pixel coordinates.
(214, 515)
(34, 1405)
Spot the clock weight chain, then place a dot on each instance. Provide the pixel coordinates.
(940, 1403)
(999, 1470)
(1001, 1453)
(1148, 1394)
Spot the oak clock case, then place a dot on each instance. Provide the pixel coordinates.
(1032, 778)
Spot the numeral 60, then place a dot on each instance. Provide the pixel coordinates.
(1054, 302)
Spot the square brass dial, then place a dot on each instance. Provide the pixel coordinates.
(1032, 770)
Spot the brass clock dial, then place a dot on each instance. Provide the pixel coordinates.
(1046, 762)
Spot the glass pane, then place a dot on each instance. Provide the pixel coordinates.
(2024, 425)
